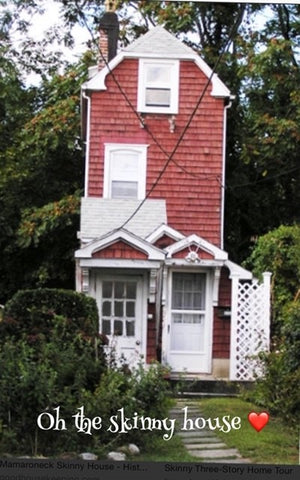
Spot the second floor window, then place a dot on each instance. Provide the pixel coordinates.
(125, 171)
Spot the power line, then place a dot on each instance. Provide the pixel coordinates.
(141, 120)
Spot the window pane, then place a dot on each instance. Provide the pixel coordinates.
(120, 189)
(130, 328)
(119, 309)
(158, 74)
(106, 309)
(131, 290)
(159, 97)
(119, 290)
(107, 289)
(106, 327)
(124, 165)
(130, 309)
(188, 291)
(118, 327)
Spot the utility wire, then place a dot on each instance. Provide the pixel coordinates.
(141, 120)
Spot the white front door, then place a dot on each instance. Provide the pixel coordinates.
(189, 323)
(121, 315)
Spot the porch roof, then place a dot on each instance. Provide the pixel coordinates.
(100, 216)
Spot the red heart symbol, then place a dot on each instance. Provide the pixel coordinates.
(258, 420)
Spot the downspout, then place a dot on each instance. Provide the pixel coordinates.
(223, 171)
(87, 149)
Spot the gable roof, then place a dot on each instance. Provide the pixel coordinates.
(91, 248)
(158, 43)
(152, 41)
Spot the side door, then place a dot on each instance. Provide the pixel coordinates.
(121, 317)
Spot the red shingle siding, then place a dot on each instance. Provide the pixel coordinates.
(164, 242)
(221, 336)
(221, 330)
(151, 335)
(225, 289)
(120, 250)
(202, 254)
(194, 198)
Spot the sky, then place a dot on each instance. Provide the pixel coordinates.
(40, 23)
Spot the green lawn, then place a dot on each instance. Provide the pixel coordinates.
(276, 443)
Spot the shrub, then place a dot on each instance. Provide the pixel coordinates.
(278, 390)
(279, 252)
(33, 312)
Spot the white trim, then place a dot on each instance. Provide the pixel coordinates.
(182, 262)
(217, 253)
(237, 271)
(162, 230)
(118, 263)
(87, 148)
(87, 251)
(223, 173)
(173, 85)
(97, 83)
(141, 150)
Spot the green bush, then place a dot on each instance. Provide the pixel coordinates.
(51, 355)
(33, 312)
(278, 390)
(278, 252)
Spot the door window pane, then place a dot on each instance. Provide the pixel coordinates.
(130, 330)
(106, 309)
(106, 327)
(119, 309)
(131, 290)
(107, 289)
(118, 327)
(119, 289)
(188, 291)
(130, 309)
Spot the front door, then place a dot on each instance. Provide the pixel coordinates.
(121, 313)
(189, 323)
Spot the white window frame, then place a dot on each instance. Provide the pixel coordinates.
(141, 150)
(174, 86)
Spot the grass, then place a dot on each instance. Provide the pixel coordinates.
(166, 451)
(277, 443)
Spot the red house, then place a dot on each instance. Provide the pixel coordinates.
(152, 216)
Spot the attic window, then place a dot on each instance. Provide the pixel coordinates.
(158, 86)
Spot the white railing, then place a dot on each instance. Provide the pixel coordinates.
(250, 326)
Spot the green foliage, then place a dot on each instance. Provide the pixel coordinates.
(37, 312)
(278, 390)
(279, 252)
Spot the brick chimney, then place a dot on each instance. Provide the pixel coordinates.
(109, 33)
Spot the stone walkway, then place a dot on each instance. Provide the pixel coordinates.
(203, 444)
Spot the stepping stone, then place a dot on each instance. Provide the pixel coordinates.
(205, 446)
(200, 434)
(216, 453)
(200, 441)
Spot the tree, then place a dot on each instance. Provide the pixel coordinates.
(41, 171)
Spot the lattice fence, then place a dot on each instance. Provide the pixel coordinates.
(250, 326)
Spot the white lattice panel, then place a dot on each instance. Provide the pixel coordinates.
(249, 327)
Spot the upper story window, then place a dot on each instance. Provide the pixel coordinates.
(158, 86)
(125, 171)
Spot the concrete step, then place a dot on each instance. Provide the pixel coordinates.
(228, 453)
(205, 446)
